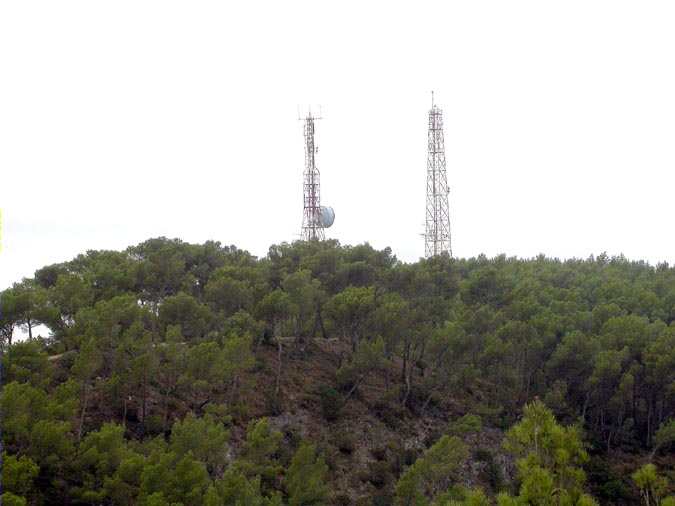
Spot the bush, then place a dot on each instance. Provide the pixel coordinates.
(380, 452)
(154, 424)
(614, 491)
(219, 412)
(238, 412)
(273, 404)
(492, 473)
(379, 474)
(331, 403)
(383, 499)
(467, 424)
(345, 442)
(606, 484)
(9, 499)
(389, 411)
(401, 458)
(341, 500)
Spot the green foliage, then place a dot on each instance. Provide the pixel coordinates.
(665, 435)
(204, 439)
(162, 340)
(71, 294)
(470, 498)
(174, 479)
(260, 452)
(331, 403)
(240, 324)
(227, 294)
(275, 307)
(9, 499)
(368, 358)
(26, 362)
(210, 367)
(235, 488)
(306, 478)
(18, 475)
(464, 425)
(101, 454)
(88, 361)
(652, 485)
(351, 311)
(549, 462)
(492, 472)
(35, 422)
(432, 473)
(184, 310)
(306, 296)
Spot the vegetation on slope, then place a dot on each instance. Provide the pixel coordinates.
(320, 374)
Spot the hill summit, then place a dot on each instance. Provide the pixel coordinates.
(186, 374)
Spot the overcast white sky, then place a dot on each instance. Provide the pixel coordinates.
(125, 120)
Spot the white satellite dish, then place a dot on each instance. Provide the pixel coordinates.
(327, 216)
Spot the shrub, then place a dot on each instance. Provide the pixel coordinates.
(379, 474)
(331, 403)
(345, 441)
(273, 404)
(467, 424)
(492, 473)
(389, 411)
(154, 424)
(383, 499)
(380, 452)
(341, 500)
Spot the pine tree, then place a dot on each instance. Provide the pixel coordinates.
(306, 478)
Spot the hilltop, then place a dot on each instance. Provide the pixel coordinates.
(179, 373)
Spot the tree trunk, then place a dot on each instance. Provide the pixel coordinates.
(653, 452)
(427, 401)
(353, 389)
(583, 411)
(324, 334)
(408, 386)
(406, 359)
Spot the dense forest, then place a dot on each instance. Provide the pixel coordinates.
(183, 374)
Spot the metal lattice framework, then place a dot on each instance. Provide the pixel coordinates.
(312, 229)
(437, 233)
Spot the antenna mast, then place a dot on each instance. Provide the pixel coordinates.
(312, 226)
(437, 233)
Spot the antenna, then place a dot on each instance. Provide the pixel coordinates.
(437, 230)
(314, 217)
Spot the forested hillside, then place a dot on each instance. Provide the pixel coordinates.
(181, 374)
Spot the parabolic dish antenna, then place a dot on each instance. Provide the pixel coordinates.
(327, 216)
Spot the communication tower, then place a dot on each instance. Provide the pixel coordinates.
(437, 233)
(315, 218)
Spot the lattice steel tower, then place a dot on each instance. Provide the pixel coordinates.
(312, 227)
(437, 233)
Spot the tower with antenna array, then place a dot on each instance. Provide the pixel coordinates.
(315, 218)
(437, 232)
